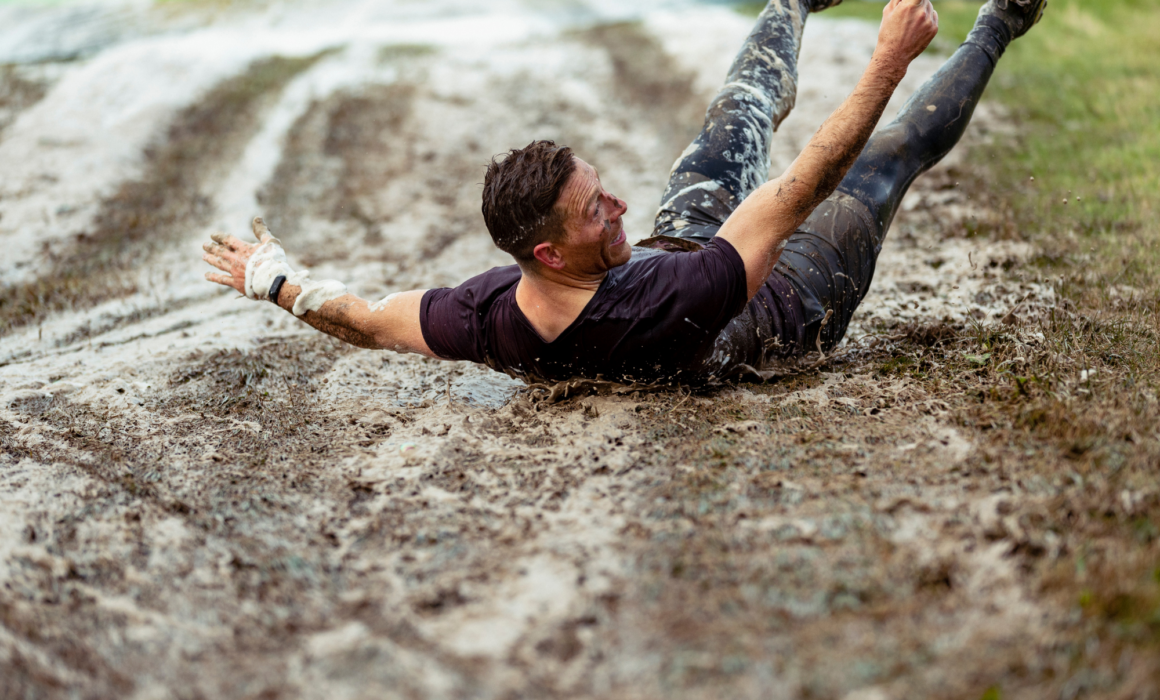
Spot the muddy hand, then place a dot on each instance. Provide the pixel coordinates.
(230, 255)
(262, 233)
(908, 26)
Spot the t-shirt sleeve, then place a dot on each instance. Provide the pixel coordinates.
(450, 325)
(452, 320)
(711, 286)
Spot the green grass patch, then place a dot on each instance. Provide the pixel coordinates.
(1083, 90)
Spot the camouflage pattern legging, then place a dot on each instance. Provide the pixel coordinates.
(829, 262)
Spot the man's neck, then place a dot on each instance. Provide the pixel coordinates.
(552, 300)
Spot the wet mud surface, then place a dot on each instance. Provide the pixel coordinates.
(203, 498)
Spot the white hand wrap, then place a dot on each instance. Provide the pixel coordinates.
(264, 266)
(269, 261)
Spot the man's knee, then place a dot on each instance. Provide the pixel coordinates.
(744, 100)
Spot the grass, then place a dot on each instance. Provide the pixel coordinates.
(1085, 93)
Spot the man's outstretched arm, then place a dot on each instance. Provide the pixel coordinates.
(392, 324)
(762, 224)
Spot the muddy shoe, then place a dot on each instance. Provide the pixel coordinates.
(1018, 15)
(819, 5)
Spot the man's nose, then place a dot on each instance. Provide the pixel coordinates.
(621, 205)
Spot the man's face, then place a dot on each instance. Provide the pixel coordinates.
(594, 240)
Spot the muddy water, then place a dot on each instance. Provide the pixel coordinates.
(204, 497)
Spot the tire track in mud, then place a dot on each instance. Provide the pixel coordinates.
(160, 206)
(358, 162)
(361, 158)
(17, 93)
(338, 155)
(647, 78)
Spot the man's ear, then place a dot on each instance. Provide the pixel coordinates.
(549, 255)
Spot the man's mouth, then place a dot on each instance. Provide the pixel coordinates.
(620, 237)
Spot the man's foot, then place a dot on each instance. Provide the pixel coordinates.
(819, 5)
(1018, 15)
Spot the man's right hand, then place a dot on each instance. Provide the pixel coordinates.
(908, 26)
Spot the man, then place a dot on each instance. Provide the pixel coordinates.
(739, 270)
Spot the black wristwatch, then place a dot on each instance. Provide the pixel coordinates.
(276, 288)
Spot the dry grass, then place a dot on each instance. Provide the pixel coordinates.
(1082, 407)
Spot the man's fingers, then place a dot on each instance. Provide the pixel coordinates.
(260, 231)
(222, 252)
(218, 277)
(218, 262)
(230, 242)
(237, 244)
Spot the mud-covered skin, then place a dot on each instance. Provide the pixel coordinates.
(829, 262)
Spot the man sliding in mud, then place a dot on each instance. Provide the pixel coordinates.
(739, 271)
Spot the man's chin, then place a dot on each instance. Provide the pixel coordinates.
(621, 252)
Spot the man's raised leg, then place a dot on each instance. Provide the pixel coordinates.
(730, 157)
(830, 260)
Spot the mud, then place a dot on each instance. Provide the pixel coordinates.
(165, 203)
(19, 90)
(204, 498)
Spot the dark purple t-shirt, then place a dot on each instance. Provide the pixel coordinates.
(657, 317)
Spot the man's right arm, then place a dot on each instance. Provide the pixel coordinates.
(391, 324)
(762, 224)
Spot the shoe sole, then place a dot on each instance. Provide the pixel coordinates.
(1042, 6)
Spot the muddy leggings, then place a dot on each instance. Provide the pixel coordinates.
(829, 262)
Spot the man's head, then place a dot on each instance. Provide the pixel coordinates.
(546, 207)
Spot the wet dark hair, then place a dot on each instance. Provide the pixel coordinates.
(520, 192)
